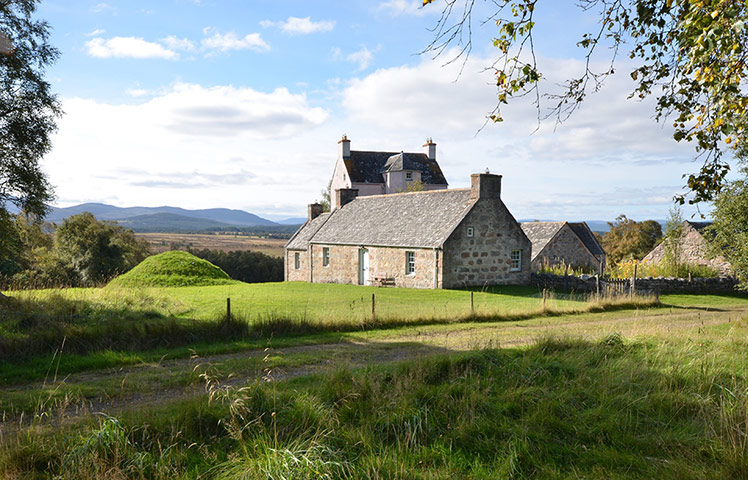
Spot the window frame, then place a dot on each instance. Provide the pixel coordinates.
(296, 260)
(325, 256)
(408, 175)
(515, 264)
(470, 232)
(410, 262)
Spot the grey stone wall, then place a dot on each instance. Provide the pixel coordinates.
(384, 262)
(485, 258)
(587, 283)
(302, 273)
(566, 248)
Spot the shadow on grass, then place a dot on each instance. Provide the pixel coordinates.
(562, 408)
(33, 327)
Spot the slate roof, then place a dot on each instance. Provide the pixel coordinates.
(540, 233)
(587, 237)
(418, 219)
(300, 240)
(367, 167)
(699, 226)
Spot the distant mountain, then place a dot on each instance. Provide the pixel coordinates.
(292, 221)
(109, 212)
(170, 222)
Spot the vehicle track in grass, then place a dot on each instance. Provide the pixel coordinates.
(380, 348)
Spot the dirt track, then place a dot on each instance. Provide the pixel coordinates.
(383, 348)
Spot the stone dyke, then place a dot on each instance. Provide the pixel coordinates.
(587, 283)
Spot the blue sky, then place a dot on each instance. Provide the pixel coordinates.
(239, 104)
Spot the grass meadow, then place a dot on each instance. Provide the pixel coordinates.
(303, 382)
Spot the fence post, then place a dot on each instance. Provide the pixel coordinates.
(566, 277)
(373, 302)
(633, 280)
(545, 294)
(228, 310)
(597, 286)
(472, 305)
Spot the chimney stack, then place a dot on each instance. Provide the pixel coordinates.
(315, 210)
(344, 196)
(345, 147)
(485, 185)
(430, 148)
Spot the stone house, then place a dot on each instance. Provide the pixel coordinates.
(376, 173)
(429, 239)
(564, 243)
(694, 249)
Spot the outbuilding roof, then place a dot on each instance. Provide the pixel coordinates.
(587, 237)
(540, 233)
(416, 219)
(300, 240)
(368, 167)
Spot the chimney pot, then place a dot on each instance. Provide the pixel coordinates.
(430, 149)
(485, 185)
(315, 210)
(344, 146)
(344, 196)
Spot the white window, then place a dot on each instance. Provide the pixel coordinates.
(516, 261)
(470, 232)
(410, 263)
(296, 260)
(408, 175)
(325, 256)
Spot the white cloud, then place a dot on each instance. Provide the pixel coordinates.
(362, 57)
(407, 7)
(103, 7)
(176, 43)
(301, 26)
(128, 47)
(137, 92)
(96, 33)
(231, 41)
(181, 148)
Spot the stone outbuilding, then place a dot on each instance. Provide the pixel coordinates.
(564, 243)
(694, 249)
(376, 173)
(429, 239)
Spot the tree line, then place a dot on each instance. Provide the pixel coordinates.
(244, 265)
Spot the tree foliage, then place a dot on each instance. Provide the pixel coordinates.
(28, 109)
(729, 230)
(672, 243)
(630, 239)
(689, 54)
(98, 251)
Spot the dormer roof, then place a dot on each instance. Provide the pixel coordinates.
(369, 167)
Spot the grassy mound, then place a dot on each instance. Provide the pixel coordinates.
(173, 269)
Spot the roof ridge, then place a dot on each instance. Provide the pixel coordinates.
(441, 190)
(391, 153)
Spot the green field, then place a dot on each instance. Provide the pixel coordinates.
(319, 303)
(153, 383)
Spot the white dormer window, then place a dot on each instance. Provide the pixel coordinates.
(408, 175)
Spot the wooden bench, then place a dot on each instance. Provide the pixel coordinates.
(384, 281)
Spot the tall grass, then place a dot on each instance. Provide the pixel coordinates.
(562, 408)
(125, 319)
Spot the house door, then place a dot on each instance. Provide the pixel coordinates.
(363, 266)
